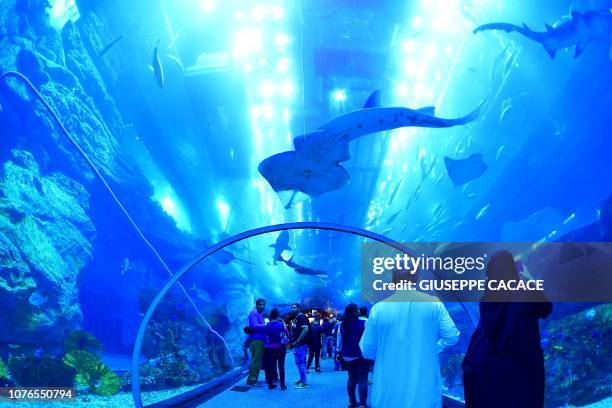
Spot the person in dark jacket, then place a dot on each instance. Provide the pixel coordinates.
(315, 344)
(349, 335)
(504, 364)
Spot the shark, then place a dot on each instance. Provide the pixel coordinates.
(313, 168)
(281, 244)
(158, 70)
(578, 32)
(303, 270)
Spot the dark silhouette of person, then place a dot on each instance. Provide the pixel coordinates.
(350, 333)
(504, 364)
(315, 344)
(216, 349)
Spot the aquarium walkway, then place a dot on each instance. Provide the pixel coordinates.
(327, 389)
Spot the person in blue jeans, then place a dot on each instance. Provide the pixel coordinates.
(328, 341)
(276, 349)
(299, 338)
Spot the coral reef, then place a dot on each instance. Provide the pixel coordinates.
(577, 351)
(45, 240)
(151, 378)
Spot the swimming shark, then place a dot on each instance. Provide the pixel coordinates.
(313, 168)
(373, 118)
(578, 32)
(158, 70)
(281, 244)
(303, 270)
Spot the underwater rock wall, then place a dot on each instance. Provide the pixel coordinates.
(45, 240)
(41, 166)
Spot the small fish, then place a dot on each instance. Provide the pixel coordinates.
(426, 171)
(39, 353)
(393, 217)
(37, 299)
(470, 195)
(201, 294)
(109, 46)
(438, 208)
(570, 218)
(386, 231)
(559, 128)
(157, 66)
(558, 348)
(14, 346)
(441, 248)
(154, 362)
(482, 212)
(499, 152)
(590, 314)
(505, 108)
(125, 266)
(394, 192)
(177, 61)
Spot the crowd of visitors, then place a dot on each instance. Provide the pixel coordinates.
(399, 340)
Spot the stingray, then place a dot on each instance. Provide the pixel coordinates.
(303, 270)
(313, 167)
(225, 257)
(281, 244)
(464, 170)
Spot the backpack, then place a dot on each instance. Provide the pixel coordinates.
(283, 335)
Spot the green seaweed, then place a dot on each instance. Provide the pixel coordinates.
(81, 340)
(91, 372)
(81, 360)
(5, 380)
(100, 379)
(4, 373)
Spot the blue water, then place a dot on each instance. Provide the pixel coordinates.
(241, 80)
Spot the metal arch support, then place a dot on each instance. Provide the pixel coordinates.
(222, 244)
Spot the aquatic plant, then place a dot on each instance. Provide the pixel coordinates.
(91, 372)
(577, 351)
(81, 340)
(31, 371)
(3, 370)
(100, 379)
(81, 360)
(5, 380)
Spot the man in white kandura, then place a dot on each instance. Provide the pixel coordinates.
(404, 335)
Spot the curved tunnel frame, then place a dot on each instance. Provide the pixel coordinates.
(136, 395)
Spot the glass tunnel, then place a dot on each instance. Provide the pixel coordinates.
(166, 163)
